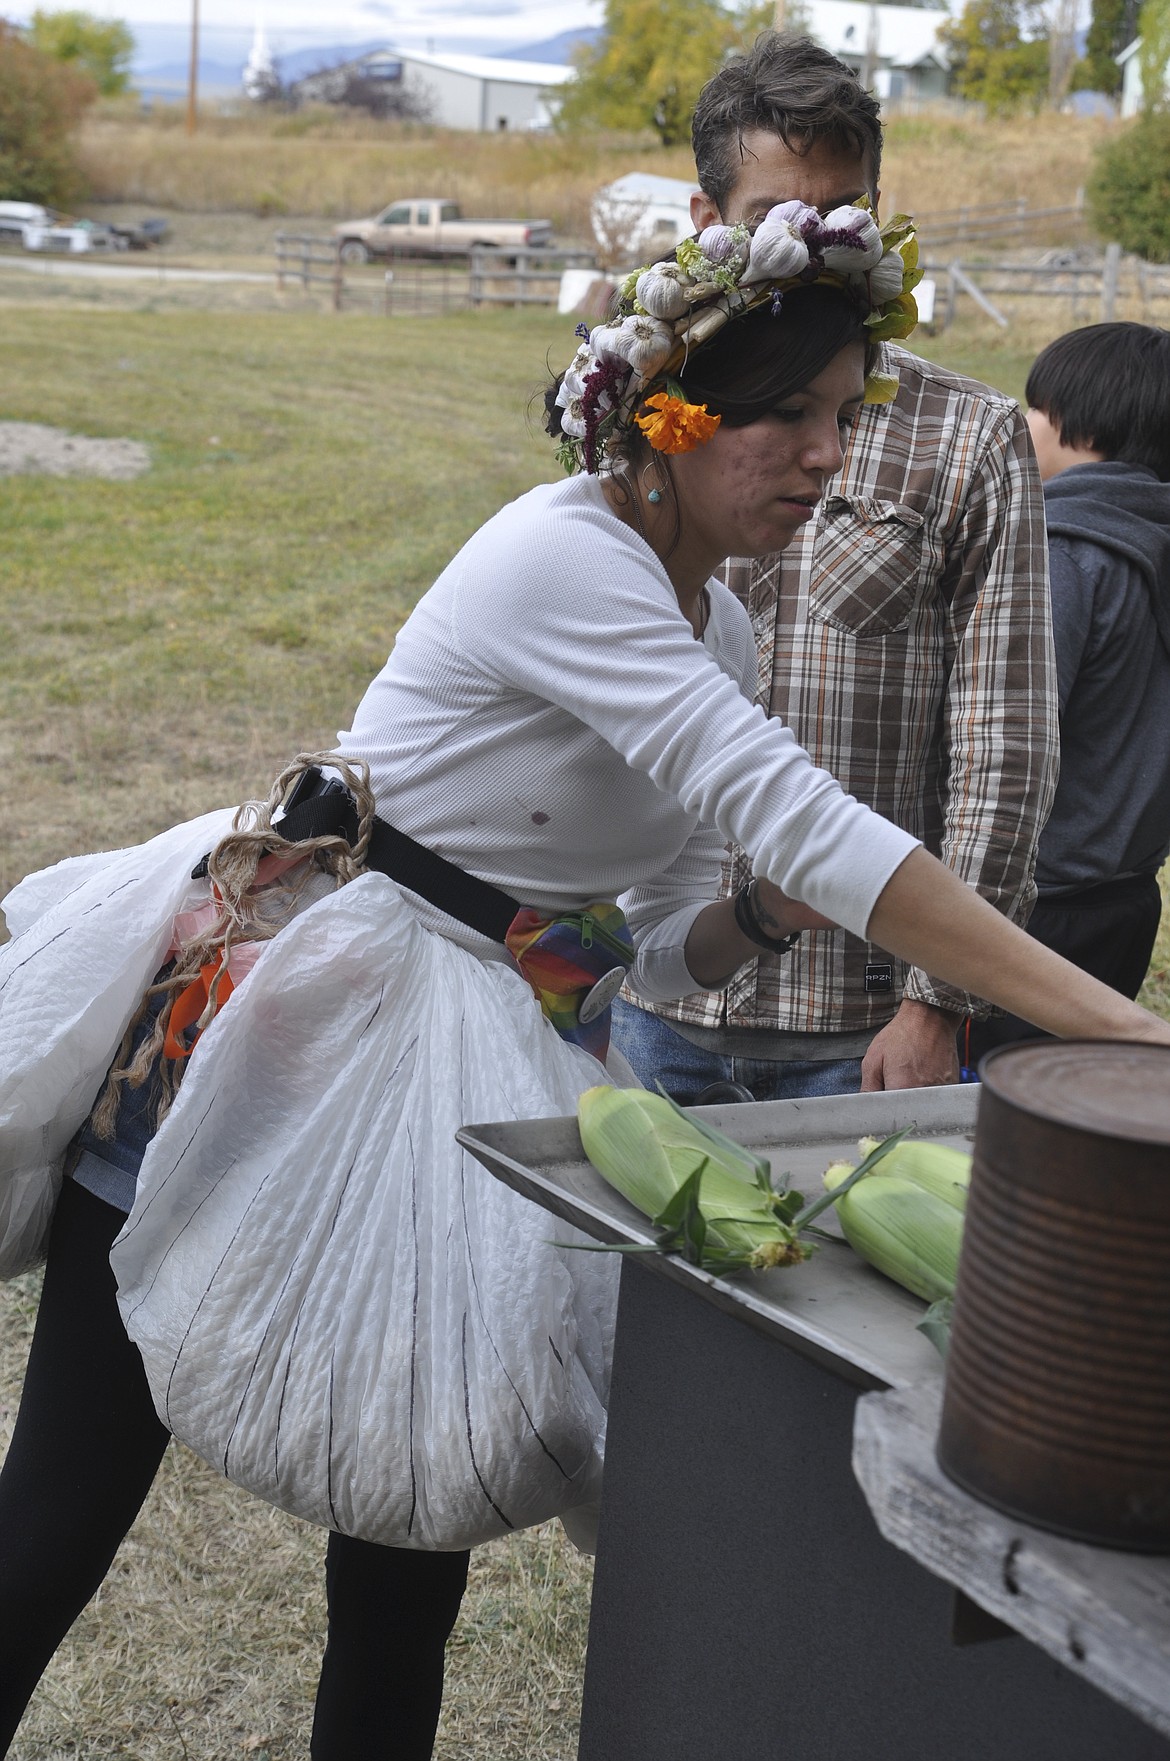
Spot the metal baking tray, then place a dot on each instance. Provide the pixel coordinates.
(834, 1308)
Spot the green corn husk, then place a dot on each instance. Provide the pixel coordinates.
(936, 1167)
(901, 1228)
(713, 1197)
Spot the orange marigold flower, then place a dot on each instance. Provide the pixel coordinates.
(676, 426)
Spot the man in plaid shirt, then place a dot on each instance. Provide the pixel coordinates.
(905, 637)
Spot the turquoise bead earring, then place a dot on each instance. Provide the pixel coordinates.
(654, 497)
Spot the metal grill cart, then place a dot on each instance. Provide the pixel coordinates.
(745, 1604)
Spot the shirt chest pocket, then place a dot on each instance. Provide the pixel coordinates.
(871, 561)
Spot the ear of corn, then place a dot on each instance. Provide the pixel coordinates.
(936, 1167)
(708, 1193)
(710, 1198)
(901, 1225)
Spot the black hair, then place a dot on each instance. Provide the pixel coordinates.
(790, 87)
(755, 360)
(759, 359)
(1106, 388)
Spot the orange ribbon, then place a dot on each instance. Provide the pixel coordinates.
(190, 1004)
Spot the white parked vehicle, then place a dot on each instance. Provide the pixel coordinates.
(43, 229)
(641, 216)
(16, 217)
(68, 237)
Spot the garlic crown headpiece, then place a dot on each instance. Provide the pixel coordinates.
(667, 310)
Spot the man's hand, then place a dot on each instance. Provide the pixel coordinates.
(915, 1050)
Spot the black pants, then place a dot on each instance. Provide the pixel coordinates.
(1108, 930)
(86, 1447)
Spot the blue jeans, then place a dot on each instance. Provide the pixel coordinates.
(660, 1055)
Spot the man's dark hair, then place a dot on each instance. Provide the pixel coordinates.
(792, 88)
(1107, 388)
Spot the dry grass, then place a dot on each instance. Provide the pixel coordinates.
(315, 163)
(318, 163)
(937, 162)
(205, 1640)
(1155, 993)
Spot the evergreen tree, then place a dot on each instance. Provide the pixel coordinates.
(999, 53)
(1112, 28)
(1154, 54)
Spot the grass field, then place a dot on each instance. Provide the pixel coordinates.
(168, 643)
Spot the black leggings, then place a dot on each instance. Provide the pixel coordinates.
(86, 1447)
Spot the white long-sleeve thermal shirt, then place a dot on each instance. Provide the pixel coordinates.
(548, 721)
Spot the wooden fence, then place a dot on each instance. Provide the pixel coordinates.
(309, 260)
(417, 285)
(423, 286)
(1094, 290)
(999, 223)
(527, 277)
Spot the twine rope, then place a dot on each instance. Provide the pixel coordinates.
(249, 911)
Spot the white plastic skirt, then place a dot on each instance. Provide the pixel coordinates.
(336, 1307)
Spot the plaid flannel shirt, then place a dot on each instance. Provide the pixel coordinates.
(906, 639)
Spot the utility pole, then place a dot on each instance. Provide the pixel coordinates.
(870, 65)
(780, 19)
(193, 68)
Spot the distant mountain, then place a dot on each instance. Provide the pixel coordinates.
(169, 78)
(306, 61)
(160, 71)
(556, 50)
(162, 79)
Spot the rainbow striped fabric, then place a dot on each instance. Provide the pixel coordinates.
(564, 959)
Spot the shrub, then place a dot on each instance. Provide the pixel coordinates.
(999, 54)
(99, 47)
(41, 102)
(1129, 188)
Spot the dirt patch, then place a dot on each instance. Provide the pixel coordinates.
(33, 449)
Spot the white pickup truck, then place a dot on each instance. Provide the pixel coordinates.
(430, 226)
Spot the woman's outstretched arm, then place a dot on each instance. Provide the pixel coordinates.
(928, 916)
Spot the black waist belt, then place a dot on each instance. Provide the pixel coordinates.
(320, 807)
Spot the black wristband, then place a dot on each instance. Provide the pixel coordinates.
(750, 925)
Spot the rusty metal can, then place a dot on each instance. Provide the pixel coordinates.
(1057, 1400)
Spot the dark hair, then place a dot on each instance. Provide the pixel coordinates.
(756, 360)
(792, 88)
(1107, 388)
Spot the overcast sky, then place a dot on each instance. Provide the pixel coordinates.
(470, 25)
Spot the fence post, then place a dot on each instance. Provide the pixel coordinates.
(1109, 281)
(960, 280)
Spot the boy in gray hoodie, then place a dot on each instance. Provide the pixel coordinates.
(1099, 413)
